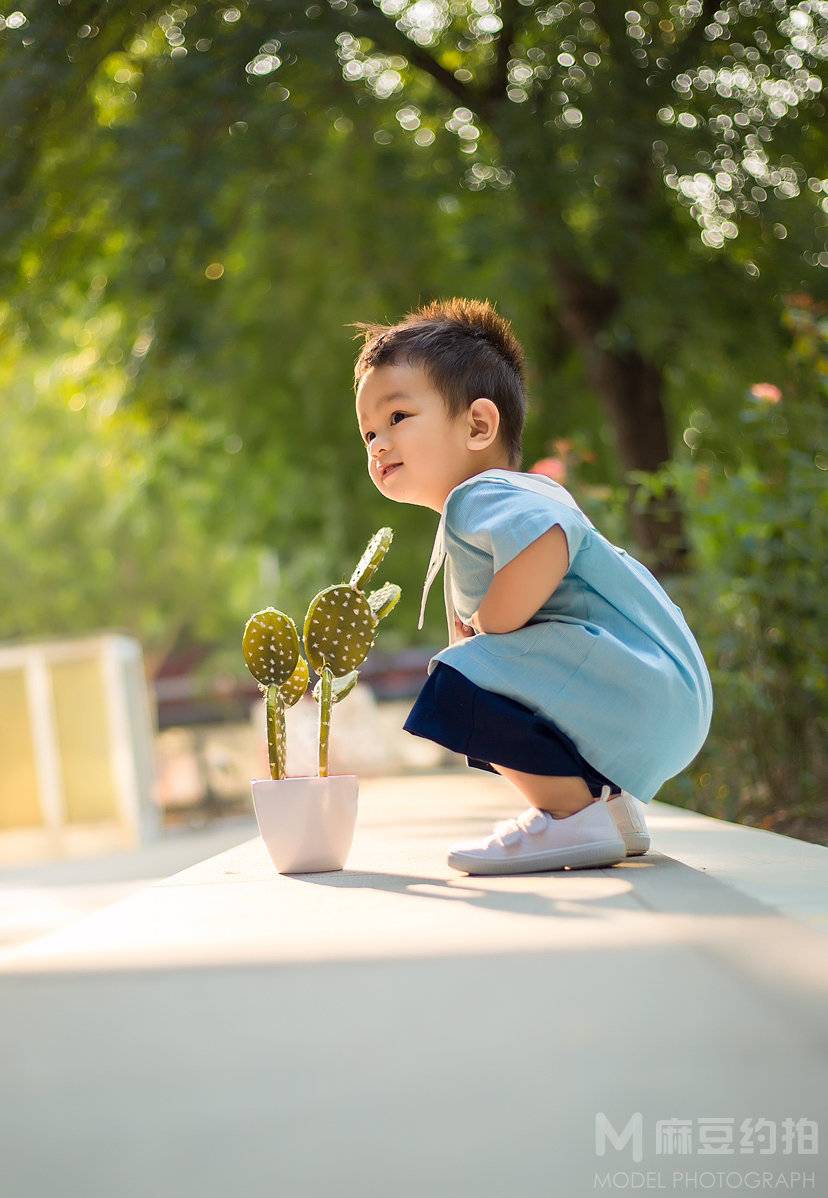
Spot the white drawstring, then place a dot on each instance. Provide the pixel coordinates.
(437, 555)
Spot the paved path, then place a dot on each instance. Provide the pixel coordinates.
(41, 897)
(398, 1028)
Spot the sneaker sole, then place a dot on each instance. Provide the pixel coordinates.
(637, 844)
(606, 852)
(627, 821)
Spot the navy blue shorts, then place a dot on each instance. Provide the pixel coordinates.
(486, 727)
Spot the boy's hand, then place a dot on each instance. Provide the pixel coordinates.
(463, 629)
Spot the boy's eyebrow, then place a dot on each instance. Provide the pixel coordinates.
(391, 396)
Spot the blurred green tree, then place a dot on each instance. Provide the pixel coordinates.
(116, 525)
(636, 148)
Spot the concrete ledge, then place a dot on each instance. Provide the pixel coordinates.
(398, 1028)
(233, 908)
(789, 875)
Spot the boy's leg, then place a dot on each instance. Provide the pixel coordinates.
(559, 796)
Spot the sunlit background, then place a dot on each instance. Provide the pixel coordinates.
(197, 200)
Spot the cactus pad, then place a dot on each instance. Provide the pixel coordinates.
(371, 559)
(270, 645)
(340, 688)
(384, 600)
(339, 629)
(297, 684)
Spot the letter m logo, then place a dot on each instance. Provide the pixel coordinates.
(604, 1131)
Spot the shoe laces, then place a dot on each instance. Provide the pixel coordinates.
(531, 822)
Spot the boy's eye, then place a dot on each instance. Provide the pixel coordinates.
(393, 414)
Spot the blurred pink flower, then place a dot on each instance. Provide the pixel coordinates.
(799, 299)
(553, 468)
(766, 392)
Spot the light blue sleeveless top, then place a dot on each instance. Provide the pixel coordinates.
(608, 657)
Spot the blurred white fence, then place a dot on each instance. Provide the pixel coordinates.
(77, 731)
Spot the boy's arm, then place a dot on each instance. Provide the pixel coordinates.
(524, 584)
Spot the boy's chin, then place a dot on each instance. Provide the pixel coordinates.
(399, 494)
(395, 490)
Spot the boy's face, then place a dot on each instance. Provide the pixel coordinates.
(431, 452)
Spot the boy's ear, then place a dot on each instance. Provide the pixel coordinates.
(483, 423)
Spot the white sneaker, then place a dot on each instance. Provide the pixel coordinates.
(537, 841)
(628, 814)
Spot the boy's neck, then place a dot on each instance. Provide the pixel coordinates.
(495, 463)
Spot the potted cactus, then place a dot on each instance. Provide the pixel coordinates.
(308, 823)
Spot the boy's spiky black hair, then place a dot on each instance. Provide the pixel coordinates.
(466, 349)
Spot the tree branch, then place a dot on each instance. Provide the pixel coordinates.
(370, 21)
(496, 88)
(682, 56)
(685, 53)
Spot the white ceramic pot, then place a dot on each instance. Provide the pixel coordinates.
(307, 824)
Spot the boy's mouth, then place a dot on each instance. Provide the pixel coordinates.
(386, 470)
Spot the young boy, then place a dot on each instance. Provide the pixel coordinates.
(569, 670)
